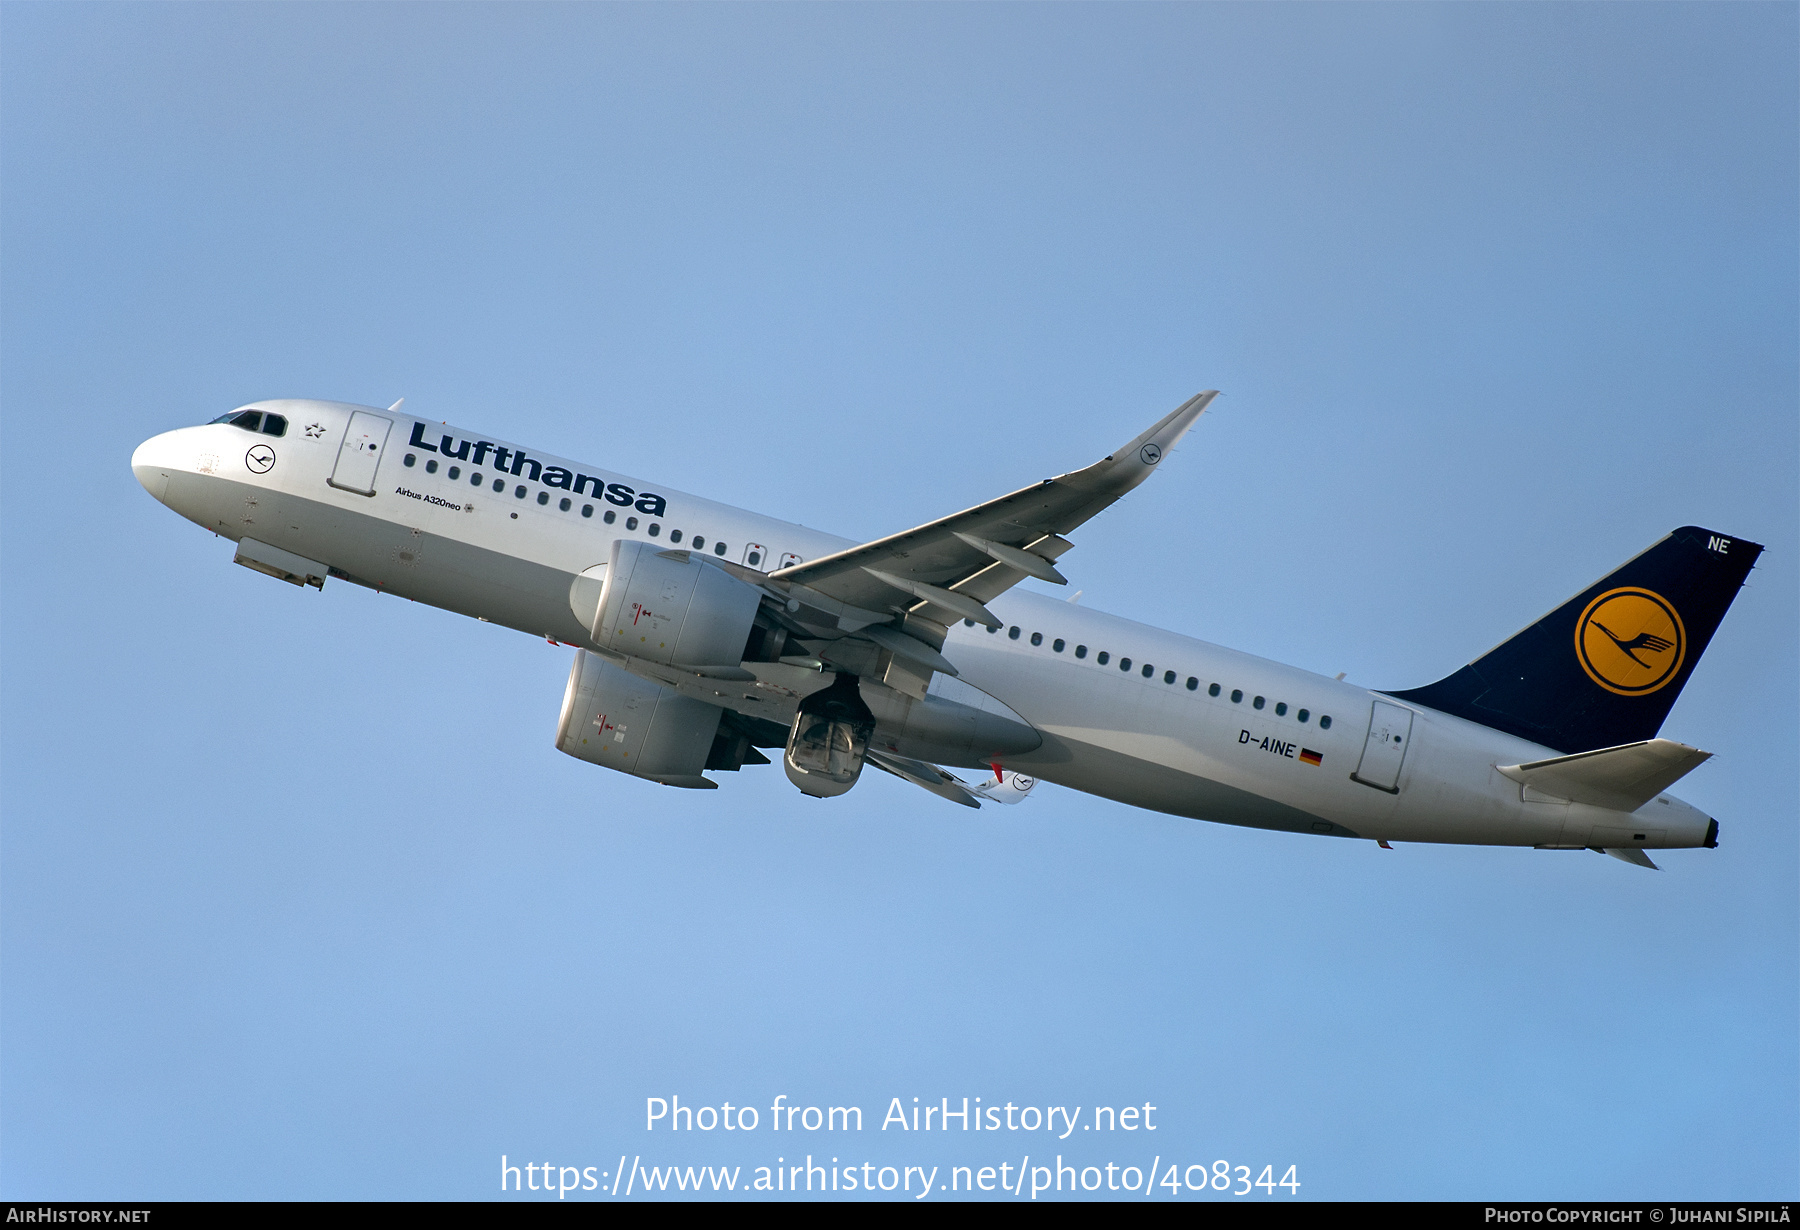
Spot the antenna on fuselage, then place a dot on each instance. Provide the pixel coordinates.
(395, 406)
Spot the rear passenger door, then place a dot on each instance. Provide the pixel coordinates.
(1384, 750)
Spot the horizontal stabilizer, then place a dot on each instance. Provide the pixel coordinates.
(1005, 787)
(1622, 778)
(925, 776)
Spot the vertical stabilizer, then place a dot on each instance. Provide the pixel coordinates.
(1604, 668)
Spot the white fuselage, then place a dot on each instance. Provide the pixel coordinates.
(1141, 736)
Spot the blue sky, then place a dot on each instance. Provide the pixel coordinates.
(299, 901)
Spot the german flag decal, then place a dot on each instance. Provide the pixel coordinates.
(1311, 757)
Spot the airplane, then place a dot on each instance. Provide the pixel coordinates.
(703, 633)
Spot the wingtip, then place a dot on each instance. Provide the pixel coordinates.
(1167, 431)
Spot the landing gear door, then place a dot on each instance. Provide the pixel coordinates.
(360, 453)
(1390, 730)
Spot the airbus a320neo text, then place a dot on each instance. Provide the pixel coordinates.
(703, 633)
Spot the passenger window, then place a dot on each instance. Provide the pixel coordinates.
(1057, 645)
(454, 472)
(1193, 684)
(718, 548)
(699, 543)
(991, 631)
(564, 504)
(1281, 708)
(1037, 638)
(408, 460)
(1168, 676)
(1212, 689)
(1124, 664)
(609, 516)
(475, 479)
(431, 466)
(587, 510)
(1325, 722)
(499, 484)
(631, 523)
(543, 496)
(1081, 651)
(1257, 703)
(1303, 715)
(655, 528)
(1149, 670)
(1012, 633)
(1103, 657)
(519, 492)
(1237, 696)
(274, 425)
(968, 623)
(674, 535)
(754, 558)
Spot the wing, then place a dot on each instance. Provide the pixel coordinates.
(882, 611)
(921, 581)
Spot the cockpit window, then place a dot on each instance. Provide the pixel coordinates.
(252, 420)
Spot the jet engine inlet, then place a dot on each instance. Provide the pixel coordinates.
(829, 738)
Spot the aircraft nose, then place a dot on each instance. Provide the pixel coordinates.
(151, 463)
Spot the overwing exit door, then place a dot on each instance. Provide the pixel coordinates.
(1384, 751)
(360, 453)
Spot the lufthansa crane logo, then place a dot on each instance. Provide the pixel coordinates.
(1630, 641)
(260, 459)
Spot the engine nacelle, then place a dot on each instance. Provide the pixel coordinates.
(667, 607)
(612, 718)
(829, 739)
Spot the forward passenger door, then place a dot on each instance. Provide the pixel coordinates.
(360, 453)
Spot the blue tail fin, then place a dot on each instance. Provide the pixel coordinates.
(1605, 667)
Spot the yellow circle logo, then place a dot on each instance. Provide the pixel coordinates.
(1630, 641)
